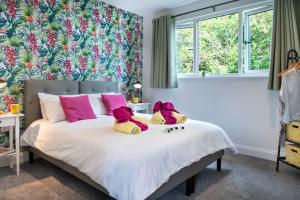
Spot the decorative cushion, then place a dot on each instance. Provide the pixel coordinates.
(77, 108)
(113, 101)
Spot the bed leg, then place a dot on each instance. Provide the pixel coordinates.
(31, 157)
(219, 164)
(190, 186)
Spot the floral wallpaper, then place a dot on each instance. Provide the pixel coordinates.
(67, 39)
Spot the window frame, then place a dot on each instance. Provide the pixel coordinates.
(247, 46)
(242, 72)
(183, 26)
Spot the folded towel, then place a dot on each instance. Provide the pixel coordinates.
(123, 115)
(168, 113)
(140, 119)
(180, 118)
(127, 127)
(157, 118)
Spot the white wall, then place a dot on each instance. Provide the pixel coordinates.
(147, 51)
(243, 107)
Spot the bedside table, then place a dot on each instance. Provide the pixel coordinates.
(12, 121)
(140, 107)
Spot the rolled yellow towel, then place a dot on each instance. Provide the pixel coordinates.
(157, 118)
(127, 127)
(140, 119)
(180, 118)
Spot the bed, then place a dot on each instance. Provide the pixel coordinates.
(124, 167)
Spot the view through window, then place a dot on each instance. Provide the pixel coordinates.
(218, 46)
(259, 28)
(228, 44)
(184, 50)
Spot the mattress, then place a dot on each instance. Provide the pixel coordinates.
(130, 167)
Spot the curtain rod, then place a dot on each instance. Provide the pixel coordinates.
(213, 7)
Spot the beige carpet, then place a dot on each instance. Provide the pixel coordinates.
(242, 177)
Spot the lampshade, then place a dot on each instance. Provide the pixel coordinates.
(2, 84)
(138, 85)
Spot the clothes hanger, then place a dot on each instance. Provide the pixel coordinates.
(292, 55)
(292, 67)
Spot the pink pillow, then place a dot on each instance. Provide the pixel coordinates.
(77, 108)
(113, 101)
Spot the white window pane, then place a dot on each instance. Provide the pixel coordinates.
(218, 48)
(260, 37)
(184, 50)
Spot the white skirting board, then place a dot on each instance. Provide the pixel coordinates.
(257, 152)
(242, 149)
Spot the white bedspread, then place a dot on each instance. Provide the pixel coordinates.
(130, 167)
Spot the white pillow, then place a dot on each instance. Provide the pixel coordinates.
(43, 97)
(51, 107)
(43, 111)
(54, 111)
(97, 104)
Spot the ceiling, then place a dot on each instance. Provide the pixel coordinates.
(145, 6)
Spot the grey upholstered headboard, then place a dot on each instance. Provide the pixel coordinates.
(32, 109)
(92, 87)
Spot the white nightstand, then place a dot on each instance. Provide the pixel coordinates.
(140, 107)
(12, 121)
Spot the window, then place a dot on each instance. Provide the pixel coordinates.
(258, 37)
(218, 45)
(184, 49)
(232, 43)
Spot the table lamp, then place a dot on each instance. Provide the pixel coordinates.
(137, 87)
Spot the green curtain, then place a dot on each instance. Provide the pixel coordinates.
(297, 9)
(163, 69)
(286, 26)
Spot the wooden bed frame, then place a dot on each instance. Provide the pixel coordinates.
(32, 113)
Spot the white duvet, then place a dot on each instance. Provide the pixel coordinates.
(130, 167)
